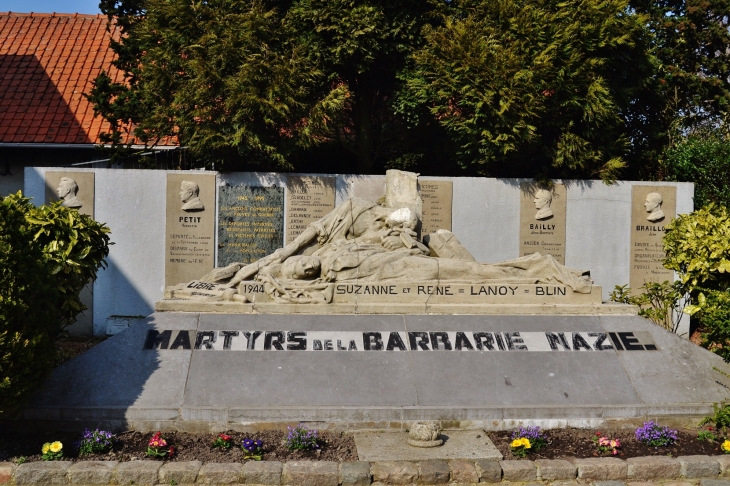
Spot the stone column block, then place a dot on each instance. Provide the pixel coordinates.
(220, 473)
(555, 470)
(653, 467)
(181, 472)
(42, 473)
(714, 482)
(311, 473)
(489, 471)
(6, 472)
(137, 472)
(724, 464)
(463, 471)
(601, 468)
(355, 473)
(699, 466)
(264, 472)
(395, 472)
(433, 472)
(522, 471)
(91, 472)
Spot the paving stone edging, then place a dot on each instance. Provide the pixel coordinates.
(603, 471)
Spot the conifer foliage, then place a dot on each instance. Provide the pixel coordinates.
(536, 88)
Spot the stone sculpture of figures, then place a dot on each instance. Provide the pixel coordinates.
(653, 206)
(543, 200)
(189, 196)
(67, 189)
(361, 241)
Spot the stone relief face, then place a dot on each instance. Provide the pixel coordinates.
(543, 199)
(185, 194)
(67, 189)
(302, 267)
(652, 202)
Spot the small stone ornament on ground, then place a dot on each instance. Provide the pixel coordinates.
(425, 434)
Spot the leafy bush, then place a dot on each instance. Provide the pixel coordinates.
(47, 255)
(720, 416)
(698, 247)
(661, 303)
(702, 158)
(713, 313)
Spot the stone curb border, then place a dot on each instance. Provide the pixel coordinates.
(604, 471)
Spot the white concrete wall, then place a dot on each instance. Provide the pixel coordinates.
(485, 216)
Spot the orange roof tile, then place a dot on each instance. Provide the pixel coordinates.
(46, 62)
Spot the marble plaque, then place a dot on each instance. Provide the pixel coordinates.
(542, 220)
(190, 227)
(437, 198)
(308, 199)
(76, 189)
(652, 208)
(250, 223)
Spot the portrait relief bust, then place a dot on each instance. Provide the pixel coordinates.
(67, 189)
(543, 199)
(189, 196)
(653, 206)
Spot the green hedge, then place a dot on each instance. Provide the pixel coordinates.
(47, 255)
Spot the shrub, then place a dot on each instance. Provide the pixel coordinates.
(661, 303)
(713, 313)
(702, 158)
(655, 435)
(698, 248)
(47, 255)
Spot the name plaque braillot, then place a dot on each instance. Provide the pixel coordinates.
(652, 208)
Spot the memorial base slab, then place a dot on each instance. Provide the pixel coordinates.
(213, 371)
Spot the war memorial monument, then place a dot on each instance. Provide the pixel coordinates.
(372, 314)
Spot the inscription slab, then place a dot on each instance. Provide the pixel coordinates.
(75, 189)
(190, 227)
(250, 223)
(652, 208)
(542, 220)
(308, 199)
(437, 199)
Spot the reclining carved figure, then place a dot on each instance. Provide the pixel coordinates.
(361, 241)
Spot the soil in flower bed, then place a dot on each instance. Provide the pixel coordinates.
(567, 443)
(188, 447)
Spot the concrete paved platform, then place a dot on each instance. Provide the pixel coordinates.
(393, 446)
(485, 371)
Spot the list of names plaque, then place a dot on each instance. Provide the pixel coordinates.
(542, 220)
(308, 199)
(652, 208)
(190, 227)
(437, 199)
(250, 223)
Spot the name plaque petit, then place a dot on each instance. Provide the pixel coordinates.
(250, 223)
(190, 226)
(542, 220)
(437, 199)
(652, 208)
(308, 199)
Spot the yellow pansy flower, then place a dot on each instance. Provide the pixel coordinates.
(56, 446)
(46, 447)
(726, 446)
